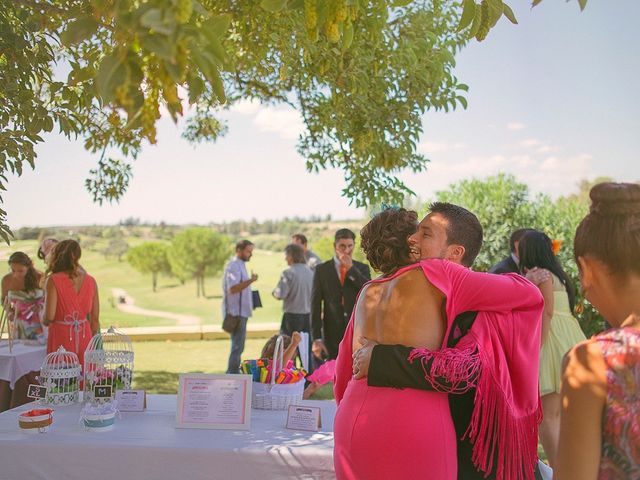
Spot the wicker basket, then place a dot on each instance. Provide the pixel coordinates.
(275, 396)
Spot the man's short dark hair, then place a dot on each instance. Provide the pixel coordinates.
(464, 229)
(296, 252)
(344, 233)
(516, 237)
(300, 237)
(242, 244)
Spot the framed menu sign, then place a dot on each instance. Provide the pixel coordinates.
(214, 401)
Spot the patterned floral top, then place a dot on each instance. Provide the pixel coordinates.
(621, 420)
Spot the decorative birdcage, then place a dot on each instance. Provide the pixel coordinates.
(60, 374)
(108, 362)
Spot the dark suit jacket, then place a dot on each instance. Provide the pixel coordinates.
(506, 265)
(329, 313)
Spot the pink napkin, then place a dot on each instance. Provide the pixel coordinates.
(324, 374)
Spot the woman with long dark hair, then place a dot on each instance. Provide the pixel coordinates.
(600, 427)
(22, 298)
(560, 331)
(72, 307)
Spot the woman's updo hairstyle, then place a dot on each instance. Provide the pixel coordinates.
(385, 239)
(611, 230)
(65, 257)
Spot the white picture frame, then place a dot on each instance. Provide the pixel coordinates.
(214, 401)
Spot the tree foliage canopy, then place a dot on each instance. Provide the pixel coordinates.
(150, 257)
(198, 253)
(503, 205)
(361, 73)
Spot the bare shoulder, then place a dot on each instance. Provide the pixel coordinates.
(584, 365)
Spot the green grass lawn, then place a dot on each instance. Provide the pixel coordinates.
(171, 295)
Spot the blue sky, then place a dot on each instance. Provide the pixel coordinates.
(552, 100)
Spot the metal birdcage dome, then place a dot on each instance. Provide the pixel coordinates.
(60, 374)
(108, 361)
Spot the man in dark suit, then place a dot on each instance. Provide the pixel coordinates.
(336, 284)
(510, 263)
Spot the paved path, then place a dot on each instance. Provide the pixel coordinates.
(130, 307)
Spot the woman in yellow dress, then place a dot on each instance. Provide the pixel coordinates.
(560, 331)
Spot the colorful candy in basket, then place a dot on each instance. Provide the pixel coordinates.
(275, 386)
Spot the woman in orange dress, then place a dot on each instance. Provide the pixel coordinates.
(72, 307)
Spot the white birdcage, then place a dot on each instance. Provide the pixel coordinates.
(60, 374)
(108, 362)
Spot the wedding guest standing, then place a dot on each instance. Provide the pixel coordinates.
(45, 249)
(560, 331)
(72, 307)
(600, 425)
(21, 296)
(237, 300)
(336, 284)
(510, 264)
(310, 256)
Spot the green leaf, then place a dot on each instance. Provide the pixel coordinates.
(583, 4)
(196, 88)
(295, 4)
(475, 25)
(535, 2)
(468, 13)
(152, 19)
(158, 44)
(111, 74)
(216, 83)
(273, 5)
(401, 3)
(506, 10)
(347, 36)
(495, 11)
(78, 31)
(463, 101)
(216, 26)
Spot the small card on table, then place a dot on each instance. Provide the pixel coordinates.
(303, 417)
(36, 391)
(214, 401)
(131, 400)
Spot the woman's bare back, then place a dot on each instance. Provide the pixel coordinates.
(406, 310)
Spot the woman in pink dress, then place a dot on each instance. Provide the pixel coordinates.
(381, 432)
(72, 308)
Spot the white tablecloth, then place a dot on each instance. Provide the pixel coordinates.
(22, 360)
(147, 446)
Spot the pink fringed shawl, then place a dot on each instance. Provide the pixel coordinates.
(503, 346)
(499, 356)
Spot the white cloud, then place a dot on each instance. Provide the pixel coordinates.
(287, 123)
(434, 147)
(554, 175)
(530, 142)
(515, 126)
(246, 107)
(548, 149)
(284, 121)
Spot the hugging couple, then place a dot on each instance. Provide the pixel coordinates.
(455, 351)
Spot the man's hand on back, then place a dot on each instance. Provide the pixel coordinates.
(362, 358)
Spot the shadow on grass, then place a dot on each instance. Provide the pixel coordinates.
(156, 381)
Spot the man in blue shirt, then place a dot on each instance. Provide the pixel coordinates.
(238, 299)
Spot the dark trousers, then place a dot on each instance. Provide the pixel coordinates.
(237, 346)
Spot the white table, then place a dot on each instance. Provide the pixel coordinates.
(22, 360)
(147, 446)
